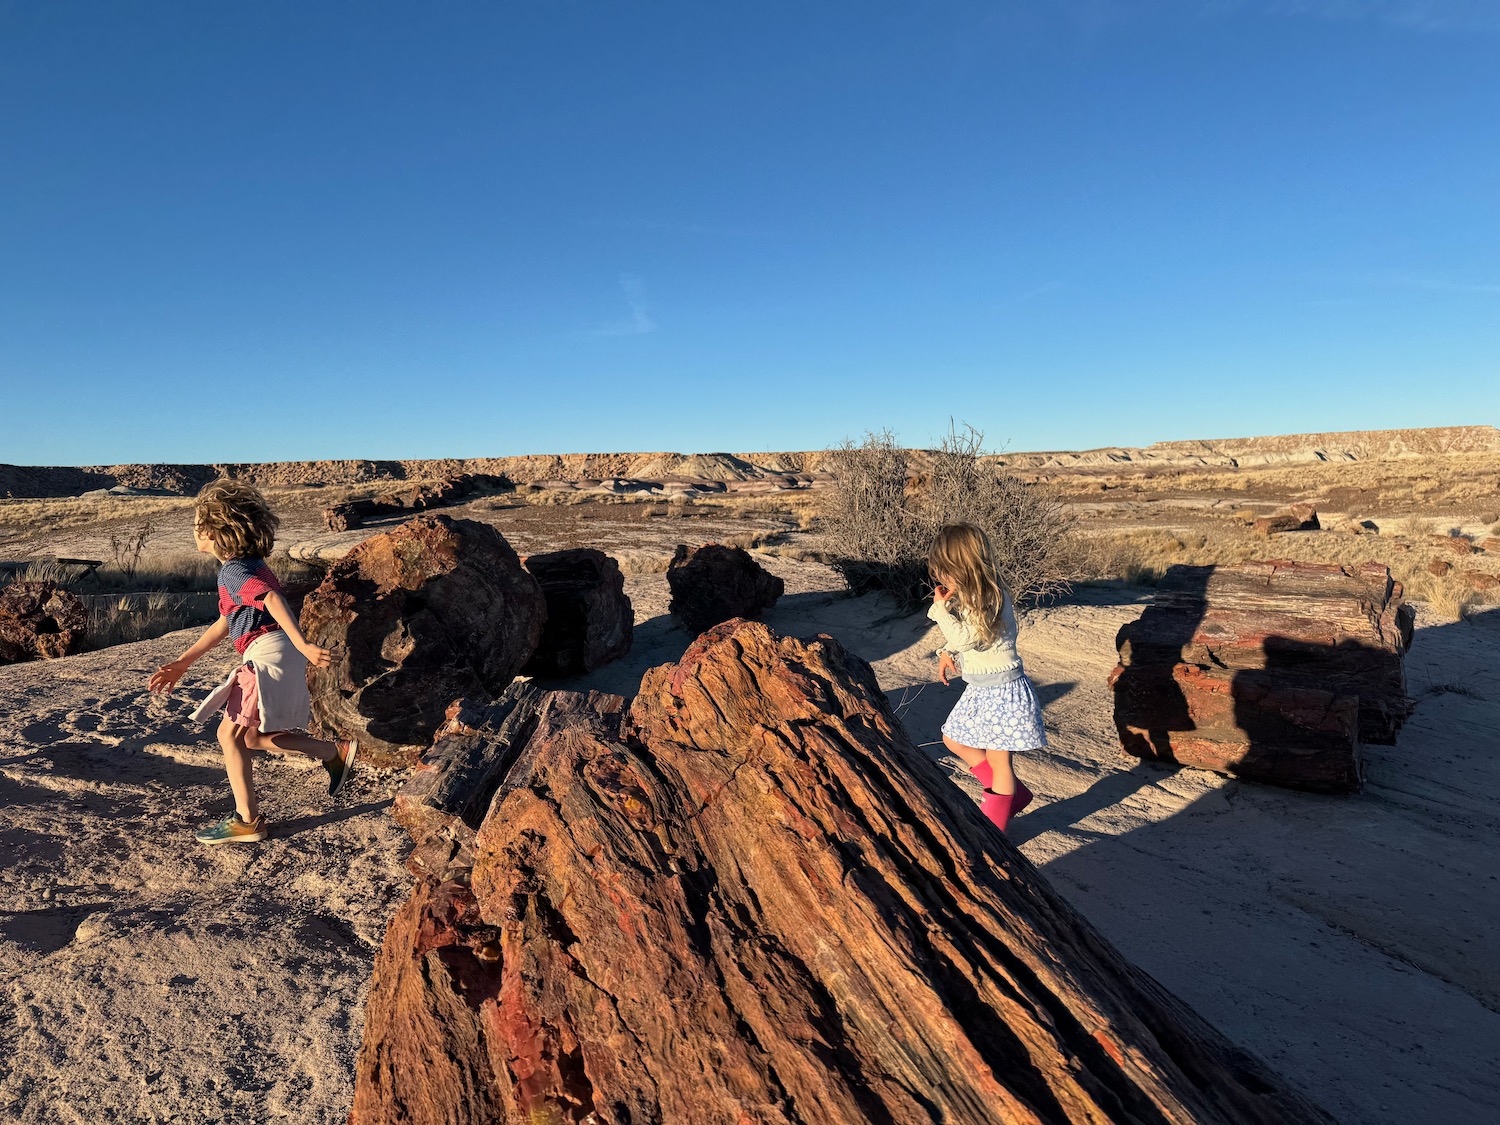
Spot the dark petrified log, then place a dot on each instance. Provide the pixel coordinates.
(714, 583)
(1297, 517)
(1257, 669)
(353, 513)
(752, 899)
(40, 620)
(590, 621)
(436, 609)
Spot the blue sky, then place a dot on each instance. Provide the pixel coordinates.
(300, 230)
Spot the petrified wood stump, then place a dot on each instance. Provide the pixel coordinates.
(590, 621)
(714, 583)
(751, 899)
(1276, 671)
(40, 620)
(436, 609)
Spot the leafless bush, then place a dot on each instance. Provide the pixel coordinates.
(126, 547)
(881, 516)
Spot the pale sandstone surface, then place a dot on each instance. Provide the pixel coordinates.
(1348, 941)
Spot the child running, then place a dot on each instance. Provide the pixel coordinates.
(998, 714)
(264, 698)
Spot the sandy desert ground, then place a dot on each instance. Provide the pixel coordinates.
(1350, 941)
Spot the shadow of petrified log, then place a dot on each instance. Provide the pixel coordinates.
(749, 898)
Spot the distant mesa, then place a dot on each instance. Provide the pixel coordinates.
(735, 471)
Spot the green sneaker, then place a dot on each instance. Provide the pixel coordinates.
(341, 767)
(233, 830)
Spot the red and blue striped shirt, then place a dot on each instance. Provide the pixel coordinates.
(243, 586)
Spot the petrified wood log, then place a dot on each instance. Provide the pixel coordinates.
(714, 583)
(590, 621)
(436, 609)
(1297, 517)
(353, 513)
(752, 899)
(1275, 671)
(40, 620)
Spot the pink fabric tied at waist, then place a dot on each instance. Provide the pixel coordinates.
(243, 705)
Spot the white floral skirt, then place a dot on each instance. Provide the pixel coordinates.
(998, 717)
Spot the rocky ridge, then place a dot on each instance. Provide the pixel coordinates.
(22, 481)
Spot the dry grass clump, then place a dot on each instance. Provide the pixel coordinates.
(118, 620)
(880, 519)
(637, 563)
(1142, 557)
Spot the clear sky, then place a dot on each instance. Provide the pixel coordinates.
(266, 231)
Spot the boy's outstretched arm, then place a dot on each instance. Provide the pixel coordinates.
(165, 678)
(276, 606)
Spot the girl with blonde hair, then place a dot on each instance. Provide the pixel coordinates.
(998, 714)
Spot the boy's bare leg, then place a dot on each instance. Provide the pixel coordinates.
(289, 742)
(237, 766)
(1004, 777)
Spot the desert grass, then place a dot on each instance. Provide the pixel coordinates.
(43, 517)
(121, 619)
(1460, 482)
(1142, 558)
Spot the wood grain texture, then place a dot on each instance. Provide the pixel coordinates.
(749, 898)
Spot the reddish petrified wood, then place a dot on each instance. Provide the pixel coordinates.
(436, 609)
(590, 621)
(752, 899)
(1455, 544)
(715, 583)
(40, 620)
(1275, 671)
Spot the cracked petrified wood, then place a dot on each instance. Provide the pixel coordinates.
(590, 621)
(751, 899)
(714, 583)
(1276, 671)
(436, 609)
(40, 620)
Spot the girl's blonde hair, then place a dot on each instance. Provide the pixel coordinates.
(961, 554)
(237, 518)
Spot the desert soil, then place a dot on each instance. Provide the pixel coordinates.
(1350, 941)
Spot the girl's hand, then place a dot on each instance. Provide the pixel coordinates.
(941, 593)
(946, 667)
(317, 655)
(165, 678)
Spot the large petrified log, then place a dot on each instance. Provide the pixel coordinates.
(1276, 671)
(433, 610)
(40, 620)
(352, 513)
(714, 583)
(590, 621)
(752, 899)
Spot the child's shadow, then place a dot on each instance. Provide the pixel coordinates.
(1109, 790)
(287, 828)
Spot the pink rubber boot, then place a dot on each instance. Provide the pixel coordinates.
(984, 772)
(1022, 798)
(996, 806)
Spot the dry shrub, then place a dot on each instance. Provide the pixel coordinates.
(636, 563)
(137, 617)
(880, 520)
